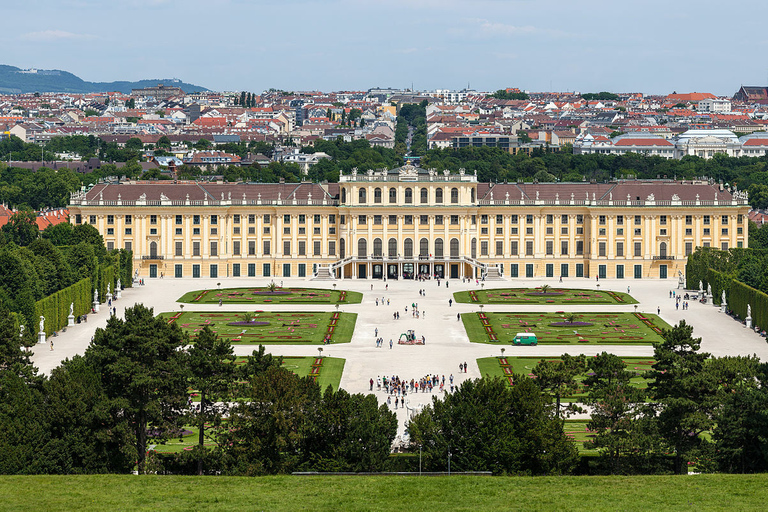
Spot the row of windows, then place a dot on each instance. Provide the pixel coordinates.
(362, 196)
(251, 248)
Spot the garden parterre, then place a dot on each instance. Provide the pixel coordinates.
(555, 329)
(270, 327)
(265, 295)
(546, 295)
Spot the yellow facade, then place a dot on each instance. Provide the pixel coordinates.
(405, 222)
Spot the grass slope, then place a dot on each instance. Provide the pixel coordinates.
(376, 493)
(563, 296)
(606, 328)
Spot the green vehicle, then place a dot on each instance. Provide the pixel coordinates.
(525, 338)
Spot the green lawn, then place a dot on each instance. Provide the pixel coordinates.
(553, 295)
(329, 371)
(588, 328)
(507, 366)
(89, 493)
(280, 296)
(270, 327)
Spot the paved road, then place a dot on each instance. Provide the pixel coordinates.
(447, 344)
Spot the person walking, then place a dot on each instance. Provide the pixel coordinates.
(658, 310)
(376, 331)
(458, 316)
(371, 389)
(465, 367)
(390, 343)
(450, 303)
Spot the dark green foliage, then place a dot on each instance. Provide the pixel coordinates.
(488, 426)
(211, 371)
(144, 373)
(589, 96)
(559, 379)
(683, 393)
(502, 94)
(21, 228)
(86, 435)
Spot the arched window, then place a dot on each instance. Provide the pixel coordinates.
(473, 195)
(362, 248)
(454, 247)
(342, 248)
(377, 195)
(408, 196)
(392, 247)
(153, 249)
(423, 247)
(361, 196)
(662, 249)
(454, 195)
(377, 247)
(392, 195)
(474, 247)
(408, 246)
(438, 247)
(424, 196)
(343, 196)
(439, 195)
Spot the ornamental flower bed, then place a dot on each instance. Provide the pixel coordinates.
(537, 295)
(551, 328)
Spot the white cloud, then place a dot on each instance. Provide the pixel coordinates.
(492, 28)
(55, 35)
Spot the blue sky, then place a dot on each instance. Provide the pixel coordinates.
(649, 46)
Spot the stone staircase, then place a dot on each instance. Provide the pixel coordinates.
(323, 274)
(492, 273)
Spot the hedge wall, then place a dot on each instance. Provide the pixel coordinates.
(107, 275)
(740, 295)
(55, 307)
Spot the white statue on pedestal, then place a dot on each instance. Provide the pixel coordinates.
(71, 308)
(109, 288)
(42, 323)
(701, 287)
(95, 296)
(722, 298)
(709, 290)
(749, 310)
(118, 287)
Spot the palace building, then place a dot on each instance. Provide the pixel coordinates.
(400, 223)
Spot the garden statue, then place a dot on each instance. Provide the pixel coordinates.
(749, 310)
(71, 308)
(42, 323)
(109, 288)
(95, 296)
(701, 287)
(722, 298)
(709, 290)
(118, 287)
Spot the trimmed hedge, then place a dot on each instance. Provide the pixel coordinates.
(740, 295)
(55, 307)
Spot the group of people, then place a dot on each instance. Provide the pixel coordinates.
(399, 388)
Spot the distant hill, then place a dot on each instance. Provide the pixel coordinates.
(15, 80)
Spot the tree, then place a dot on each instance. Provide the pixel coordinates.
(163, 142)
(617, 414)
(134, 143)
(144, 373)
(21, 228)
(212, 370)
(132, 169)
(559, 379)
(488, 426)
(682, 391)
(130, 103)
(348, 433)
(264, 434)
(86, 436)
(58, 234)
